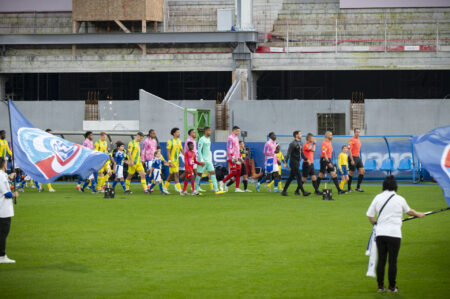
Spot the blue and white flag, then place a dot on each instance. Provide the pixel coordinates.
(433, 151)
(45, 157)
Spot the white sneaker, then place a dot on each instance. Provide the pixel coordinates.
(239, 190)
(41, 190)
(51, 190)
(6, 260)
(201, 190)
(166, 191)
(184, 193)
(195, 193)
(248, 190)
(226, 188)
(221, 186)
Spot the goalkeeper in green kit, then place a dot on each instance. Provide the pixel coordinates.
(204, 155)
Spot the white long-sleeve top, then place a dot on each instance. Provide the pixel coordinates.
(6, 204)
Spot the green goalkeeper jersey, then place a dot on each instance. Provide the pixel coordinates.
(204, 150)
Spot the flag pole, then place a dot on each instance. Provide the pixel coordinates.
(12, 151)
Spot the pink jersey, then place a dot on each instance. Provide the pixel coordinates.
(148, 149)
(269, 151)
(233, 151)
(89, 144)
(190, 139)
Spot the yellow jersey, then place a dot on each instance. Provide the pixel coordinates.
(280, 156)
(343, 160)
(101, 146)
(4, 148)
(134, 148)
(174, 148)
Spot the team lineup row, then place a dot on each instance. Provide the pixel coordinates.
(147, 160)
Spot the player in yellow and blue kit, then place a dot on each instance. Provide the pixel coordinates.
(4, 146)
(134, 161)
(343, 165)
(101, 145)
(174, 148)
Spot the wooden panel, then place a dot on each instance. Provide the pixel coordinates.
(123, 10)
(154, 10)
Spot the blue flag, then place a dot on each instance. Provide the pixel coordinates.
(433, 151)
(45, 157)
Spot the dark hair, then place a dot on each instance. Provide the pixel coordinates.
(140, 134)
(172, 132)
(158, 147)
(190, 143)
(190, 131)
(235, 128)
(241, 141)
(48, 130)
(345, 145)
(295, 133)
(87, 134)
(390, 183)
(206, 128)
(150, 131)
(271, 134)
(2, 162)
(119, 144)
(309, 135)
(2, 131)
(154, 154)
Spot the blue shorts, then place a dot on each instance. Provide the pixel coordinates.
(344, 170)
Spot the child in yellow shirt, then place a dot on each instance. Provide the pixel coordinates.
(343, 165)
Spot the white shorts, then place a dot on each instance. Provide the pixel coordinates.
(119, 171)
(271, 167)
(157, 175)
(148, 165)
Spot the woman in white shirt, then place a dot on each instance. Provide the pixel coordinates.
(6, 210)
(388, 230)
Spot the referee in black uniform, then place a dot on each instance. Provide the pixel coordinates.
(293, 157)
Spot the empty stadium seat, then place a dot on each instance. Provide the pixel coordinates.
(387, 165)
(370, 164)
(405, 164)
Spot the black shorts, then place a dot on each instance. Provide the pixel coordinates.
(324, 167)
(243, 169)
(307, 169)
(358, 163)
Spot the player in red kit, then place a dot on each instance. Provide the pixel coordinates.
(189, 160)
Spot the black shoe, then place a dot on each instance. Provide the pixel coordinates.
(393, 290)
(306, 193)
(318, 192)
(341, 192)
(359, 190)
(381, 289)
(349, 190)
(127, 192)
(82, 190)
(284, 193)
(297, 193)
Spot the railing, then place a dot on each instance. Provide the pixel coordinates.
(334, 35)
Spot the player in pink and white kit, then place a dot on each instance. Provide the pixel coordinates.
(234, 159)
(149, 147)
(271, 163)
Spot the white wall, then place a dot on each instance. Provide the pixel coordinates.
(400, 116)
(284, 116)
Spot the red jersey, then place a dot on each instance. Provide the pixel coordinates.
(189, 160)
(326, 148)
(354, 145)
(309, 153)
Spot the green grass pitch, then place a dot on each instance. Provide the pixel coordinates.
(253, 245)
